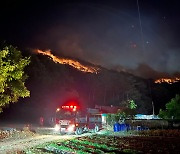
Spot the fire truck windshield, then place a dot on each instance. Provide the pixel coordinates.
(65, 115)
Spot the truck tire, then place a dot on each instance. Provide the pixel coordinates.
(96, 129)
(86, 129)
(78, 131)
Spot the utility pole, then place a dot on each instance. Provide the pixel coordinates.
(153, 108)
(127, 96)
(105, 96)
(151, 97)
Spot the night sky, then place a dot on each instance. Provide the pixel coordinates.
(108, 33)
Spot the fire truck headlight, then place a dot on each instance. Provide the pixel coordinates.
(71, 128)
(56, 127)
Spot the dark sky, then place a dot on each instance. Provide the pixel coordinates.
(102, 32)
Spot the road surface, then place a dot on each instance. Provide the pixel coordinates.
(22, 140)
(10, 146)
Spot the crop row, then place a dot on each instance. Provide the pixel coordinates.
(165, 133)
(113, 144)
(79, 146)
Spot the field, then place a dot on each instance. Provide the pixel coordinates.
(114, 143)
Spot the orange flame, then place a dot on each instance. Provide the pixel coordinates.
(167, 80)
(70, 62)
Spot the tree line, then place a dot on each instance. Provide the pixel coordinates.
(52, 84)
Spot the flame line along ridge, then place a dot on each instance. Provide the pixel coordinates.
(73, 63)
(167, 80)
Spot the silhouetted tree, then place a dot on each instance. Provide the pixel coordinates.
(12, 76)
(172, 110)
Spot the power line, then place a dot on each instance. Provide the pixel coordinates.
(140, 24)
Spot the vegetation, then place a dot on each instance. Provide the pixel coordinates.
(113, 144)
(52, 82)
(128, 112)
(79, 146)
(132, 104)
(12, 76)
(172, 110)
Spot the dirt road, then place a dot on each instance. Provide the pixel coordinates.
(10, 146)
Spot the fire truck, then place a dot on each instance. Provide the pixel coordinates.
(70, 119)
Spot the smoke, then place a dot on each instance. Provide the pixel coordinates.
(111, 38)
(173, 62)
(71, 46)
(156, 61)
(145, 71)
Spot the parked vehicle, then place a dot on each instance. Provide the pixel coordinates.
(71, 119)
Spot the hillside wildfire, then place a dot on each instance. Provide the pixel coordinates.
(167, 80)
(73, 63)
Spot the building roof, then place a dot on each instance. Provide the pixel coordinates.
(108, 109)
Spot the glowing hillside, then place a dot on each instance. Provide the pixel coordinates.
(167, 80)
(73, 63)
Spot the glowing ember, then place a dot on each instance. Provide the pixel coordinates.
(167, 80)
(70, 62)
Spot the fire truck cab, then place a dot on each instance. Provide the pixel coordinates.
(71, 120)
